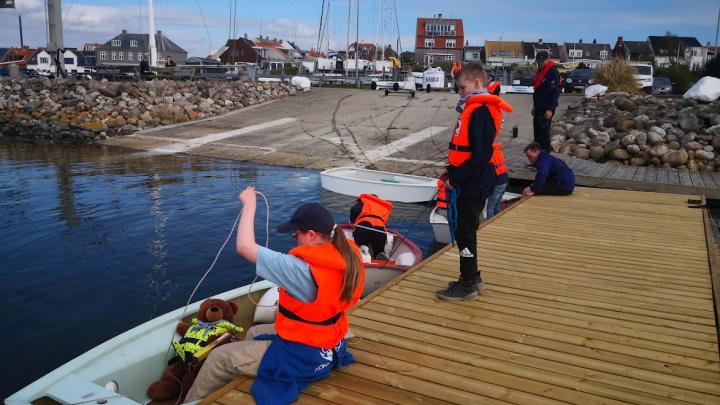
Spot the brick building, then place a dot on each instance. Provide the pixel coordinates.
(439, 39)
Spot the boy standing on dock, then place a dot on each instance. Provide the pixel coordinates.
(470, 176)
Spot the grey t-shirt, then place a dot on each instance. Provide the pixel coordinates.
(289, 272)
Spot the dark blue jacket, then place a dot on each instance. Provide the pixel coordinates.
(546, 97)
(475, 178)
(552, 170)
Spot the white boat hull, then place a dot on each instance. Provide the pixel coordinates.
(390, 186)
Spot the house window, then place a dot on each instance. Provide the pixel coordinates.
(103, 55)
(429, 43)
(695, 52)
(113, 55)
(503, 53)
(44, 61)
(449, 43)
(159, 59)
(429, 59)
(576, 53)
(121, 56)
(603, 55)
(115, 42)
(69, 61)
(449, 58)
(140, 56)
(476, 55)
(133, 43)
(130, 56)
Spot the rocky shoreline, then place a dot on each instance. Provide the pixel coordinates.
(641, 131)
(75, 111)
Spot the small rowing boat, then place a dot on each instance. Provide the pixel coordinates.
(354, 181)
(439, 222)
(402, 254)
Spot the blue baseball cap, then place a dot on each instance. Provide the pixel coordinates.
(309, 217)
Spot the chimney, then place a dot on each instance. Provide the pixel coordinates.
(245, 35)
(540, 41)
(580, 41)
(274, 39)
(439, 15)
(594, 41)
(124, 31)
(159, 32)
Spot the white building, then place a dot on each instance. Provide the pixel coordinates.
(74, 61)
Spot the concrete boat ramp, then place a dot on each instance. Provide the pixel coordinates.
(601, 297)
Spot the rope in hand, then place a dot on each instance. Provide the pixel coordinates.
(212, 265)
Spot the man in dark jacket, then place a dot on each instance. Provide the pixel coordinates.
(553, 176)
(471, 174)
(545, 98)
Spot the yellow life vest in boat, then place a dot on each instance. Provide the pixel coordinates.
(198, 335)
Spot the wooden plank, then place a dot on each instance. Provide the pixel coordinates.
(640, 174)
(651, 174)
(519, 364)
(713, 264)
(673, 176)
(663, 175)
(716, 177)
(684, 176)
(709, 180)
(696, 179)
(629, 172)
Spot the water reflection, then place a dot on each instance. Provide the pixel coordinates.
(118, 237)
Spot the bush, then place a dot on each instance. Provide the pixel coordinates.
(617, 76)
(290, 70)
(712, 68)
(680, 76)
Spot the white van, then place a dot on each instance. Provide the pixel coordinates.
(643, 75)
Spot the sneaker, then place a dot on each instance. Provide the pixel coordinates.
(460, 291)
(480, 285)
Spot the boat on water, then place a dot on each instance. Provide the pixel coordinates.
(119, 371)
(439, 221)
(354, 181)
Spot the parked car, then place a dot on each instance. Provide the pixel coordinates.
(578, 80)
(644, 76)
(522, 84)
(662, 85)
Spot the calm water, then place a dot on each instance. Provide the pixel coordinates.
(94, 241)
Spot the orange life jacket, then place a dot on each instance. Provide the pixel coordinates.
(375, 210)
(321, 323)
(441, 198)
(498, 159)
(494, 88)
(459, 149)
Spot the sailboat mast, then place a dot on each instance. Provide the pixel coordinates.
(382, 30)
(357, 42)
(151, 35)
(347, 44)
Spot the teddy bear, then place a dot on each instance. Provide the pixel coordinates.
(213, 320)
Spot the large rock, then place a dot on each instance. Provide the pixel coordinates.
(582, 153)
(624, 125)
(633, 149)
(676, 158)
(641, 121)
(597, 153)
(694, 145)
(611, 147)
(620, 154)
(659, 150)
(628, 139)
(637, 161)
(577, 131)
(688, 121)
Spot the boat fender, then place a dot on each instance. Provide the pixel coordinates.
(267, 306)
(389, 243)
(405, 259)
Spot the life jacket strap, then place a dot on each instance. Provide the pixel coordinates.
(459, 148)
(293, 316)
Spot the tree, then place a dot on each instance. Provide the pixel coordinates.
(712, 68)
(407, 57)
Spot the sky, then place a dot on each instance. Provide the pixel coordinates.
(202, 26)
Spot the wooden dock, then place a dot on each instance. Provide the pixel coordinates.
(602, 297)
(616, 176)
